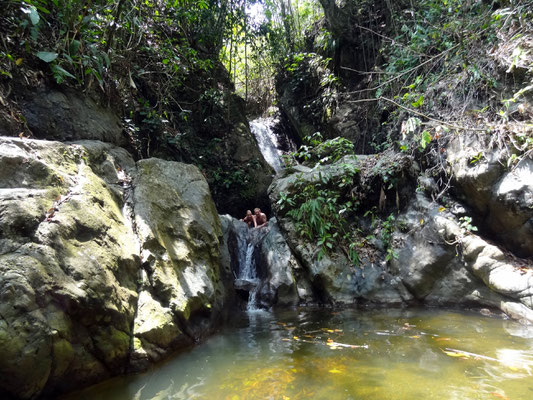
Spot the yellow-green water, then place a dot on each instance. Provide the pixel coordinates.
(348, 354)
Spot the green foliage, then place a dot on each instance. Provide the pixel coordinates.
(353, 254)
(465, 223)
(212, 115)
(323, 152)
(313, 84)
(262, 35)
(320, 209)
(153, 54)
(425, 139)
(436, 61)
(475, 159)
(387, 229)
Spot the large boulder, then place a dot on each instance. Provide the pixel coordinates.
(69, 266)
(333, 276)
(179, 229)
(105, 264)
(501, 196)
(285, 283)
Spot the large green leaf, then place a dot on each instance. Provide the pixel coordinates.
(34, 15)
(62, 72)
(46, 56)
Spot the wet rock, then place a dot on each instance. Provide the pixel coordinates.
(285, 281)
(245, 285)
(279, 280)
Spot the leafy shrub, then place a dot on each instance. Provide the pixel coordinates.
(323, 152)
(319, 210)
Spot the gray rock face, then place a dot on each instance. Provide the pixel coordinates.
(298, 121)
(67, 115)
(285, 283)
(502, 198)
(439, 261)
(344, 123)
(68, 265)
(103, 263)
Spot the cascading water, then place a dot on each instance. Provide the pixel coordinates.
(247, 277)
(267, 141)
(248, 271)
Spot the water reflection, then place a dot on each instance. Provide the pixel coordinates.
(302, 354)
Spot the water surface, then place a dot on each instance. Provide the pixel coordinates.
(348, 354)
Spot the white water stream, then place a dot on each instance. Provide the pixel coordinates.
(267, 141)
(247, 241)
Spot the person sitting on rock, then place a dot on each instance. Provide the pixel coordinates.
(260, 218)
(249, 219)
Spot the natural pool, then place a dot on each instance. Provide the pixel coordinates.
(345, 354)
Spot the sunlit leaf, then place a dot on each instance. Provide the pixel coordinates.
(46, 56)
(34, 15)
(419, 102)
(425, 139)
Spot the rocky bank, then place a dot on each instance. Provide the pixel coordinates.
(107, 264)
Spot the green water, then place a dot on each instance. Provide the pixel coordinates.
(308, 354)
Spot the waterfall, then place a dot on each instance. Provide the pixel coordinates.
(247, 278)
(267, 141)
(248, 272)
